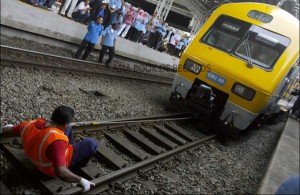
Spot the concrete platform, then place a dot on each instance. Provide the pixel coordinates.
(22, 16)
(285, 159)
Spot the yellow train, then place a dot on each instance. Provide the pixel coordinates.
(241, 66)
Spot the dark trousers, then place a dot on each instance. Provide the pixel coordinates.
(107, 16)
(49, 3)
(177, 52)
(95, 5)
(103, 51)
(88, 48)
(151, 39)
(171, 49)
(130, 32)
(156, 39)
(79, 17)
(83, 150)
(136, 36)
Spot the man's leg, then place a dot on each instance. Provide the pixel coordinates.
(111, 55)
(41, 3)
(76, 16)
(82, 46)
(82, 152)
(83, 17)
(72, 7)
(88, 50)
(102, 52)
(50, 3)
(65, 7)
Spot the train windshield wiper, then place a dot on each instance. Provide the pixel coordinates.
(248, 53)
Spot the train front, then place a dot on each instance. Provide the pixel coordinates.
(233, 69)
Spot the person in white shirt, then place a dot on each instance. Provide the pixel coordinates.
(173, 42)
(82, 11)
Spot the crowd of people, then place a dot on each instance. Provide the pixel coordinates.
(132, 23)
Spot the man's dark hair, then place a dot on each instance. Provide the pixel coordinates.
(115, 24)
(63, 115)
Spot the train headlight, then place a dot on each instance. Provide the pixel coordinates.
(192, 66)
(243, 91)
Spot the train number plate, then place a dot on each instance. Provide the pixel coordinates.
(216, 78)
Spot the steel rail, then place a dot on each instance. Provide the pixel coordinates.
(119, 123)
(121, 175)
(78, 60)
(85, 72)
(91, 126)
(140, 119)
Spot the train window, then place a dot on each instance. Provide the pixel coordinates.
(260, 16)
(259, 54)
(262, 47)
(226, 33)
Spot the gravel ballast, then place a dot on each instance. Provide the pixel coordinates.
(234, 167)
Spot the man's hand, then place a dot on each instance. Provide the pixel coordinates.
(86, 184)
(7, 127)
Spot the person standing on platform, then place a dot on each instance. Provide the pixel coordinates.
(112, 7)
(108, 42)
(82, 11)
(97, 13)
(178, 48)
(96, 6)
(95, 30)
(173, 41)
(49, 146)
(153, 22)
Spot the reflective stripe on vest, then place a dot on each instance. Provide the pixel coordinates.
(25, 128)
(41, 147)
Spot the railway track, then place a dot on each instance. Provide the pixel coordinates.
(11, 56)
(127, 148)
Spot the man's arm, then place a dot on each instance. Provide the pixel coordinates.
(10, 130)
(66, 175)
(56, 152)
(63, 173)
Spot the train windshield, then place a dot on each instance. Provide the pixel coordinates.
(252, 43)
(262, 47)
(226, 33)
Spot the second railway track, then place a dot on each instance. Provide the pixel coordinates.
(11, 56)
(127, 148)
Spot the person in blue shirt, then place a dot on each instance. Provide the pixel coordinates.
(108, 42)
(95, 30)
(117, 18)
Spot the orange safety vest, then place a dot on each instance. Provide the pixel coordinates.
(36, 142)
